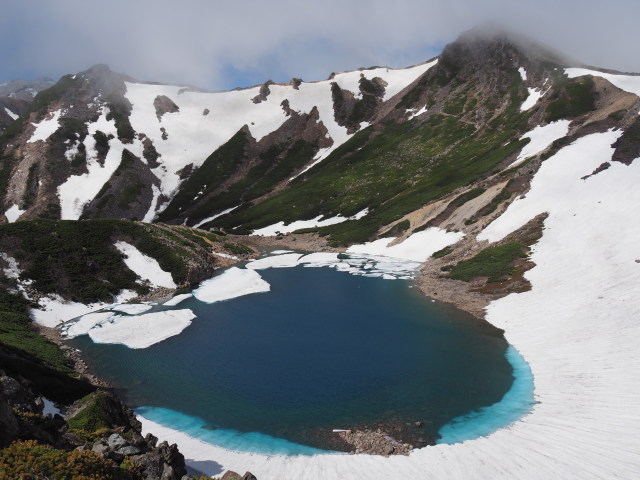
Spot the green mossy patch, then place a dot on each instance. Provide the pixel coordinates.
(495, 263)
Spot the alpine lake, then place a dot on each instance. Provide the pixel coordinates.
(276, 372)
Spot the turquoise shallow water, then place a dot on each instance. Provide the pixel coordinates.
(275, 372)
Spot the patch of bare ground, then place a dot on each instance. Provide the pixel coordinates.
(475, 295)
(374, 442)
(306, 242)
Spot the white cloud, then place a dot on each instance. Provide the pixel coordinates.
(214, 43)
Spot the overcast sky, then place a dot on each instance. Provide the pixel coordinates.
(221, 44)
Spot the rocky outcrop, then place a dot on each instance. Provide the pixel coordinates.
(374, 442)
(164, 104)
(119, 436)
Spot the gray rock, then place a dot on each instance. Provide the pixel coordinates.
(101, 448)
(231, 475)
(129, 450)
(116, 441)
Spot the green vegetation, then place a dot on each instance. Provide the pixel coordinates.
(78, 259)
(496, 263)
(618, 115)
(31, 187)
(237, 248)
(505, 194)
(398, 229)
(15, 331)
(456, 105)
(571, 98)
(70, 129)
(102, 145)
(275, 165)
(393, 172)
(219, 166)
(93, 414)
(26, 353)
(442, 252)
(42, 100)
(119, 111)
(29, 460)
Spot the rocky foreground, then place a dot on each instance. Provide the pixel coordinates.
(99, 425)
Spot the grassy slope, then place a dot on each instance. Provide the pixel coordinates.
(26, 353)
(404, 166)
(79, 261)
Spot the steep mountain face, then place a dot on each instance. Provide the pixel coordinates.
(101, 145)
(367, 148)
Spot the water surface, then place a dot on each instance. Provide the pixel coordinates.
(322, 350)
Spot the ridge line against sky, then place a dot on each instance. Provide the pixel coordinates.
(224, 44)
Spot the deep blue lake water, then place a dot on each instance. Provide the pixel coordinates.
(322, 350)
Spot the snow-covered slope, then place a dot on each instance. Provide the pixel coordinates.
(206, 120)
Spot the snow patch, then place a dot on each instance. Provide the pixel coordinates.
(558, 177)
(276, 261)
(418, 247)
(418, 113)
(13, 270)
(145, 267)
(131, 308)
(49, 408)
(523, 74)
(280, 227)
(213, 217)
(541, 137)
(72, 151)
(233, 283)
(177, 299)
(84, 324)
(534, 95)
(226, 255)
(151, 213)
(55, 310)
(11, 114)
(142, 331)
(45, 128)
(13, 213)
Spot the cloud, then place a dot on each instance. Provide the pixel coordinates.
(221, 44)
